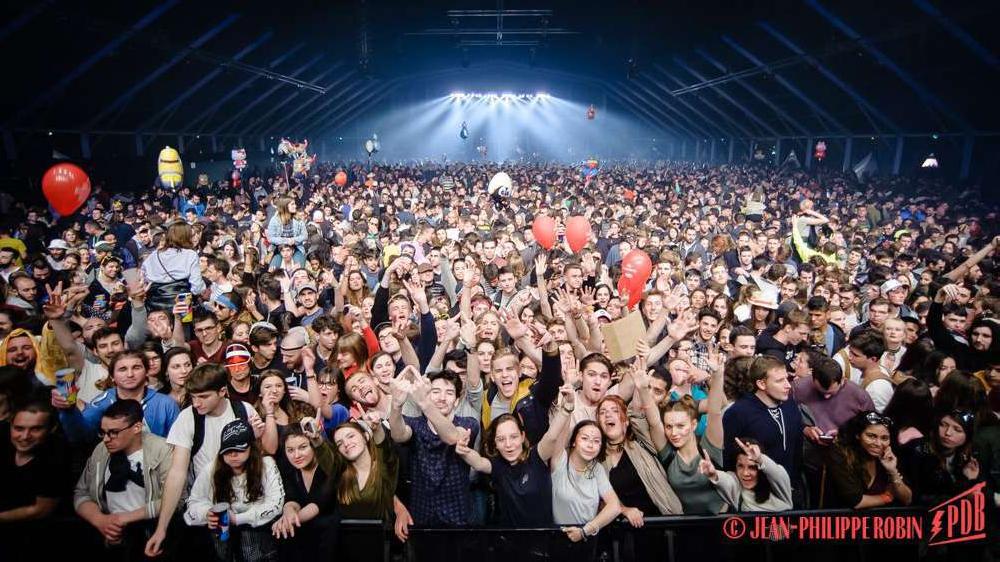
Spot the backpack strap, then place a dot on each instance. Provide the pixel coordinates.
(199, 424)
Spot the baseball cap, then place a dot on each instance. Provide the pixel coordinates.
(306, 287)
(424, 267)
(889, 286)
(58, 244)
(236, 436)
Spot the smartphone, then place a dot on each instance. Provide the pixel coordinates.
(185, 299)
(827, 438)
(309, 425)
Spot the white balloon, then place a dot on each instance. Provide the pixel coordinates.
(501, 183)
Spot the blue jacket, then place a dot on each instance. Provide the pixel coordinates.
(159, 412)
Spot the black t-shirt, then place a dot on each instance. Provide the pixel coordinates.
(44, 476)
(629, 487)
(276, 363)
(525, 491)
(250, 396)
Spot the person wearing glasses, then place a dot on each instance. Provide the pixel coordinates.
(862, 470)
(121, 486)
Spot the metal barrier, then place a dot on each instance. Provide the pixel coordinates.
(669, 539)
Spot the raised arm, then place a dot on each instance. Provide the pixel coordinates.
(550, 442)
(445, 427)
(541, 261)
(400, 388)
(470, 456)
(959, 272)
(55, 312)
(716, 400)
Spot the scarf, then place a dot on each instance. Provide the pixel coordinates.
(122, 473)
(648, 467)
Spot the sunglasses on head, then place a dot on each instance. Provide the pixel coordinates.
(875, 418)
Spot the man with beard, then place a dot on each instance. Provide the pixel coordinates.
(973, 353)
(19, 349)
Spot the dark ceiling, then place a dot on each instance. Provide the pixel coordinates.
(707, 68)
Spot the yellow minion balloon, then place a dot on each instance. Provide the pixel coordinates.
(170, 168)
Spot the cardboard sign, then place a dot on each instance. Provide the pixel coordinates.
(621, 336)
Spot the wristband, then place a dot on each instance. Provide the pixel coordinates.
(886, 497)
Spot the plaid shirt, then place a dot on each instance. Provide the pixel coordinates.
(440, 493)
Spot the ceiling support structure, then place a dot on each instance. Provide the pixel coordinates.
(753, 117)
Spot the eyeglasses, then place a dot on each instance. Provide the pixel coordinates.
(111, 433)
(875, 418)
(205, 329)
(327, 383)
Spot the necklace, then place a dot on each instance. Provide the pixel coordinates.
(616, 447)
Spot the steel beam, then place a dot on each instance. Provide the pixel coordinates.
(728, 98)
(264, 95)
(46, 97)
(210, 110)
(866, 106)
(967, 146)
(680, 114)
(280, 105)
(283, 124)
(733, 122)
(189, 91)
(848, 145)
(897, 160)
(301, 124)
(689, 106)
(922, 92)
(962, 35)
(623, 89)
(127, 95)
(755, 93)
(351, 112)
(786, 83)
(20, 21)
(641, 114)
(276, 126)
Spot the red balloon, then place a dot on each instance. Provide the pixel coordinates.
(636, 269)
(577, 233)
(66, 187)
(340, 179)
(544, 229)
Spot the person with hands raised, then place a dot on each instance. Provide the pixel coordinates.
(757, 484)
(440, 494)
(579, 481)
(633, 432)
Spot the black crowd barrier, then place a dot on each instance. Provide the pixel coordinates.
(667, 539)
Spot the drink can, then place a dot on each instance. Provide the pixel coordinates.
(66, 384)
(222, 510)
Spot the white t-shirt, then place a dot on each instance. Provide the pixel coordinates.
(182, 434)
(134, 496)
(576, 496)
(90, 375)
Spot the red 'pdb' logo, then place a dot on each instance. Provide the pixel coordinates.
(960, 519)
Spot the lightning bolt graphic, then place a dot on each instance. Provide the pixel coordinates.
(936, 524)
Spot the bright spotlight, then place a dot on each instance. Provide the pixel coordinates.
(542, 95)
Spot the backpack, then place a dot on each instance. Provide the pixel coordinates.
(199, 424)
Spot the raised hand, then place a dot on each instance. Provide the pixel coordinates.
(468, 333)
(400, 389)
(541, 262)
(308, 359)
(55, 308)
(587, 296)
(683, 326)
(515, 328)
(752, 451)
(707, 468)
(567, 396)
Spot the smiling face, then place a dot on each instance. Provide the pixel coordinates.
(21, 353)
(875, 440)
(363, 390)
(747, 472)
(509, 440)
(384, 369)
(350, 443)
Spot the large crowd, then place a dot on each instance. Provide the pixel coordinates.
(235, 368)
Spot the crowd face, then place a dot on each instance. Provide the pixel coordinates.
(509, 441)
(299, 452)
(207, 401)
(207, 332)
(384, 369)
(951, 434)
(776, 385)
(596, 380)
(747, 472)
(351, 444)
(506, 373)
(875, 440)
(443, 396)
(21, 353)
(612, 421)
(117, 434)
(178, 370)
(129, 374)
(29, 430)
(236, 460)
(679, 428)
(362, 389)
(894, 331)
(877, 314)
(981, 338)
(588, 443)
(107, 347)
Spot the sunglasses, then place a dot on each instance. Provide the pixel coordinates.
(875, 418)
